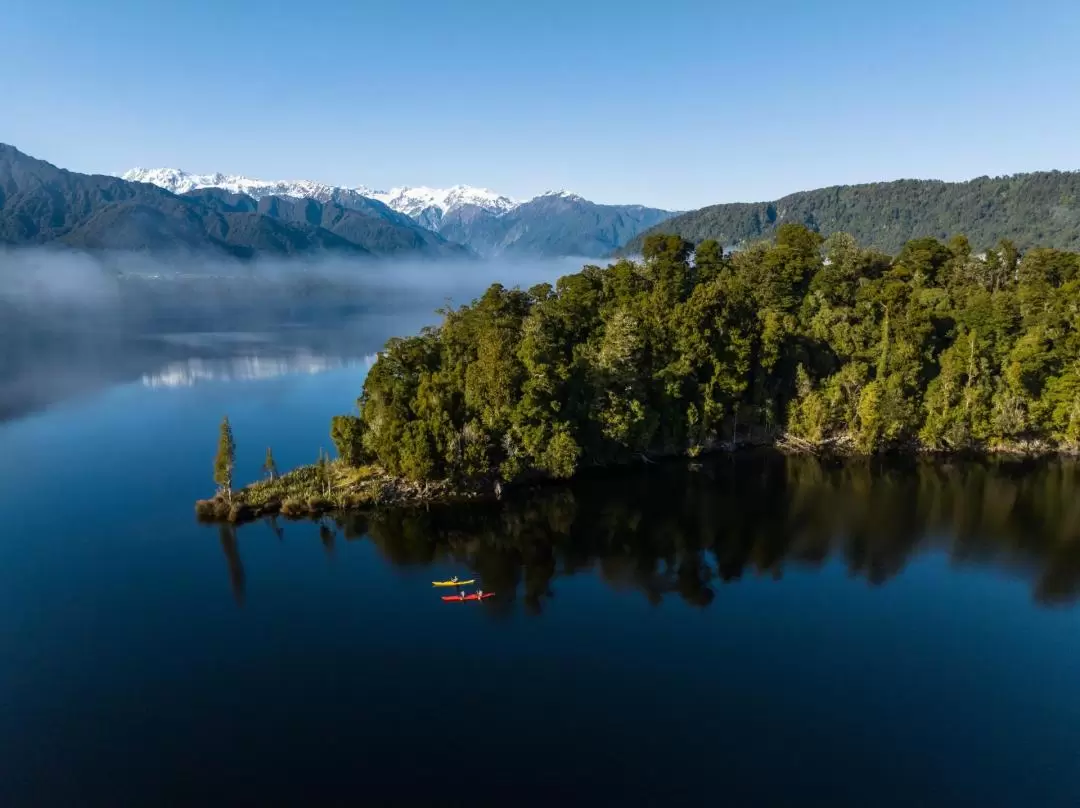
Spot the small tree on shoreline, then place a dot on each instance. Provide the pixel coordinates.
(225, 460)
(269, 466)
(322, 472)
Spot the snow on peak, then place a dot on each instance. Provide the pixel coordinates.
(560, 194)
(413, 201)
(180, 182)
(410, 201)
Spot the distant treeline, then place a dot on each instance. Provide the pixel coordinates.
(819, 344)
(1037, 209)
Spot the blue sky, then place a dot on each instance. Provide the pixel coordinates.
(675, 104)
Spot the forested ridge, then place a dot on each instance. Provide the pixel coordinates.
(1036, 209)
(817, 343)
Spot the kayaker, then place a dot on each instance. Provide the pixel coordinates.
(479, 594)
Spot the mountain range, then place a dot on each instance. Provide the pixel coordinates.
(167, 210)
(1036, 209)
(43, 204)
(425, 205)
(555, 223)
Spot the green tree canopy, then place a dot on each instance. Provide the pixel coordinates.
(225, 459)
(819, 342)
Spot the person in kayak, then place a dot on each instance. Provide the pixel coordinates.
(479, 594)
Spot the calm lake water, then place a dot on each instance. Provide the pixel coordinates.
(754, 631)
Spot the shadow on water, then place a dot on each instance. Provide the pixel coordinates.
(671, 530)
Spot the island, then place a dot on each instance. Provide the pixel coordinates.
(802, 343)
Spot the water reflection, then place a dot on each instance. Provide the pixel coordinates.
(682, 532)
(227, 536)
(58, 367)
(248, 368)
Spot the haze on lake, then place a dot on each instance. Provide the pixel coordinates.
(753, 630)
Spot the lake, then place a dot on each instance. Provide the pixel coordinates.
(753, 630)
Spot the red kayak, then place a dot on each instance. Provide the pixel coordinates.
(469, 597)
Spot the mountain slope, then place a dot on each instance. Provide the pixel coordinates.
(1040, 208)
(140, 226)
(40, 203)
(552, 224)
(377, 232)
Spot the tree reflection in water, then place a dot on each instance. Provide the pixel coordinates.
(230, 547)
(670, 529)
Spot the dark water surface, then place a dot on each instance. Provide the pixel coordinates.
(756, 631)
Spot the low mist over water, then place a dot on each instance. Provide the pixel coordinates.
(73, 322)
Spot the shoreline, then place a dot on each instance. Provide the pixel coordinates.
(302, 493)
(298, 494)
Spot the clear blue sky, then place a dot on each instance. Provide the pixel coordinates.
(675, 104)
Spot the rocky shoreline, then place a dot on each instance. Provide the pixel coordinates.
(309, 492)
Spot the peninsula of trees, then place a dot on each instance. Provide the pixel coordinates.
(819, 344)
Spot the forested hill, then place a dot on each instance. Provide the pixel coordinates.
(1039, 209)
(818, 344)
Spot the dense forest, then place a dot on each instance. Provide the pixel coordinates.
(810, 342)
(1039, 209)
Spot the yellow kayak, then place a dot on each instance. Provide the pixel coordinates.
(453, 583)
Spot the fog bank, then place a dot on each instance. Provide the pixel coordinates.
(35, 276)
(72, 322)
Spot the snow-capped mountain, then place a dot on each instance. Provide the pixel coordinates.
(567, 195)
(414, 200)
(425, 205)
(180, 182)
